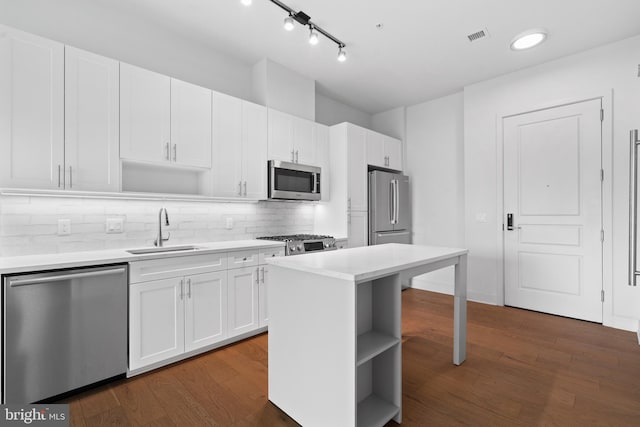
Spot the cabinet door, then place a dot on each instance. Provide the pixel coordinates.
(357, 169)
(322, 144)
(190, 124)
(254, 150)
(375, 149)
(91, 121)
(205, 309)
(263, 291)
(31, 111)
(156, 321)
(280, 144)
(358, 229)
(393, 150)
(144, 115)
(227, 146)
(243, 296)
(304, 141)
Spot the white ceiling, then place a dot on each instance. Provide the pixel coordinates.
(421, 52)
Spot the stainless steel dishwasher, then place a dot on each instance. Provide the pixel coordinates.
(63, 330)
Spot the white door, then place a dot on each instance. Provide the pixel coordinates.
(145, 110)
(205, 309)
(227, 146)
(31, 111)
(190, 124)
(254, 150)
(91, 121)
(243, 300)
(552, 189)
(156, 316)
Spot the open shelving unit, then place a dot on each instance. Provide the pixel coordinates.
(379, 353)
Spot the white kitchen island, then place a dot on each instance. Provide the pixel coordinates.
(335, 333)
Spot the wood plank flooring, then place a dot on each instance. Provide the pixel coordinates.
(522, 369)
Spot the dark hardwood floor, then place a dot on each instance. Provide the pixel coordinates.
(522, 369)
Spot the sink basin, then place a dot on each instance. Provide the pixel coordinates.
(163, 249)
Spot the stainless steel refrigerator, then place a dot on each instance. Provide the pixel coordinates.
(389, 208)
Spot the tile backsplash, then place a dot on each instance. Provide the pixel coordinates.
(29, 224)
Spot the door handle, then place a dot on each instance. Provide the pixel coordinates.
(633, 207)
(509, 221)
(391, 201)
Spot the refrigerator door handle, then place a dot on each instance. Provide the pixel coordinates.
(396, 201)
(391, 202)
(633, 208)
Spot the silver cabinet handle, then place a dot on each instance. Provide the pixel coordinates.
(239, 188)
(60, 277)
(262, 279)
(70, 177)
(189, 288)
(245, 188)
(633, 206)
(175, 152)
(181, 289)
(257, 276)
(166, 151)
(58, 175)
(293, 159)
(296, 156)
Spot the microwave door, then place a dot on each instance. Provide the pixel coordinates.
(381, 207)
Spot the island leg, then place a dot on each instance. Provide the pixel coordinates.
(460, 311)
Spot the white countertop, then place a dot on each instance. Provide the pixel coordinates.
(367, 262)
(26, 263)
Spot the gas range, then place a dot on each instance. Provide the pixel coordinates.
(302, 243)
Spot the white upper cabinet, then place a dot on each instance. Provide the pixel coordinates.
(239, 148)
(31, 111)
(322, 142)
(357, 185)
(383, 151)
(163, 120)
(91, 122)
(190, 124)
(145, 110)
(291, 139)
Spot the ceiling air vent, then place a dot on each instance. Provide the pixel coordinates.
(484, 33)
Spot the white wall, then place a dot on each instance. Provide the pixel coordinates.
(279, 88)
(598, 72)
(331, 112)
(390, 122)
(434, 162)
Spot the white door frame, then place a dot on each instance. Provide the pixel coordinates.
(607, 193)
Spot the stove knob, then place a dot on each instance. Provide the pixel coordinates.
(292, 248)
(299, 247)
(326, 245)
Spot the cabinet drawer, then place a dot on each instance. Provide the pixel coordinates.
(154, 269)
(239, 259)
(270, 253)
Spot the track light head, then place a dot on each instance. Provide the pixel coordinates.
(246, 2)
(342, 54)
(313, 36)
(288, 23)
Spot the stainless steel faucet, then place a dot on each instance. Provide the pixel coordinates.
(159, 240)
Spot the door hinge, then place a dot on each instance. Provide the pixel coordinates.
(602, 115)
(602, 235)
(602, 175)
(602, 295)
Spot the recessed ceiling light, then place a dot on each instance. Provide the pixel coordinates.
(528, 39)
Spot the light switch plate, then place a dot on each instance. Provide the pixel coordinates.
(229, 223)
(115, 225)
(64, 227)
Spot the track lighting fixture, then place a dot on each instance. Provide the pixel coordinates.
(303, 19)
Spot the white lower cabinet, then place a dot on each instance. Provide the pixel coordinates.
(183, 304)
(358, 228)
(243, 300)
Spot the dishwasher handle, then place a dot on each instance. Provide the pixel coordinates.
(70, 276)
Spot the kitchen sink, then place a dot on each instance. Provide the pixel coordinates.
(163, 249)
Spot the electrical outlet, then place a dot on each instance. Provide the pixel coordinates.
(115, 225)
(229, 223)
(64, 227)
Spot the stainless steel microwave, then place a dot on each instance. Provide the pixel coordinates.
(293, 181)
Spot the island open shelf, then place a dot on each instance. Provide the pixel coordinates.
(335, 331)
